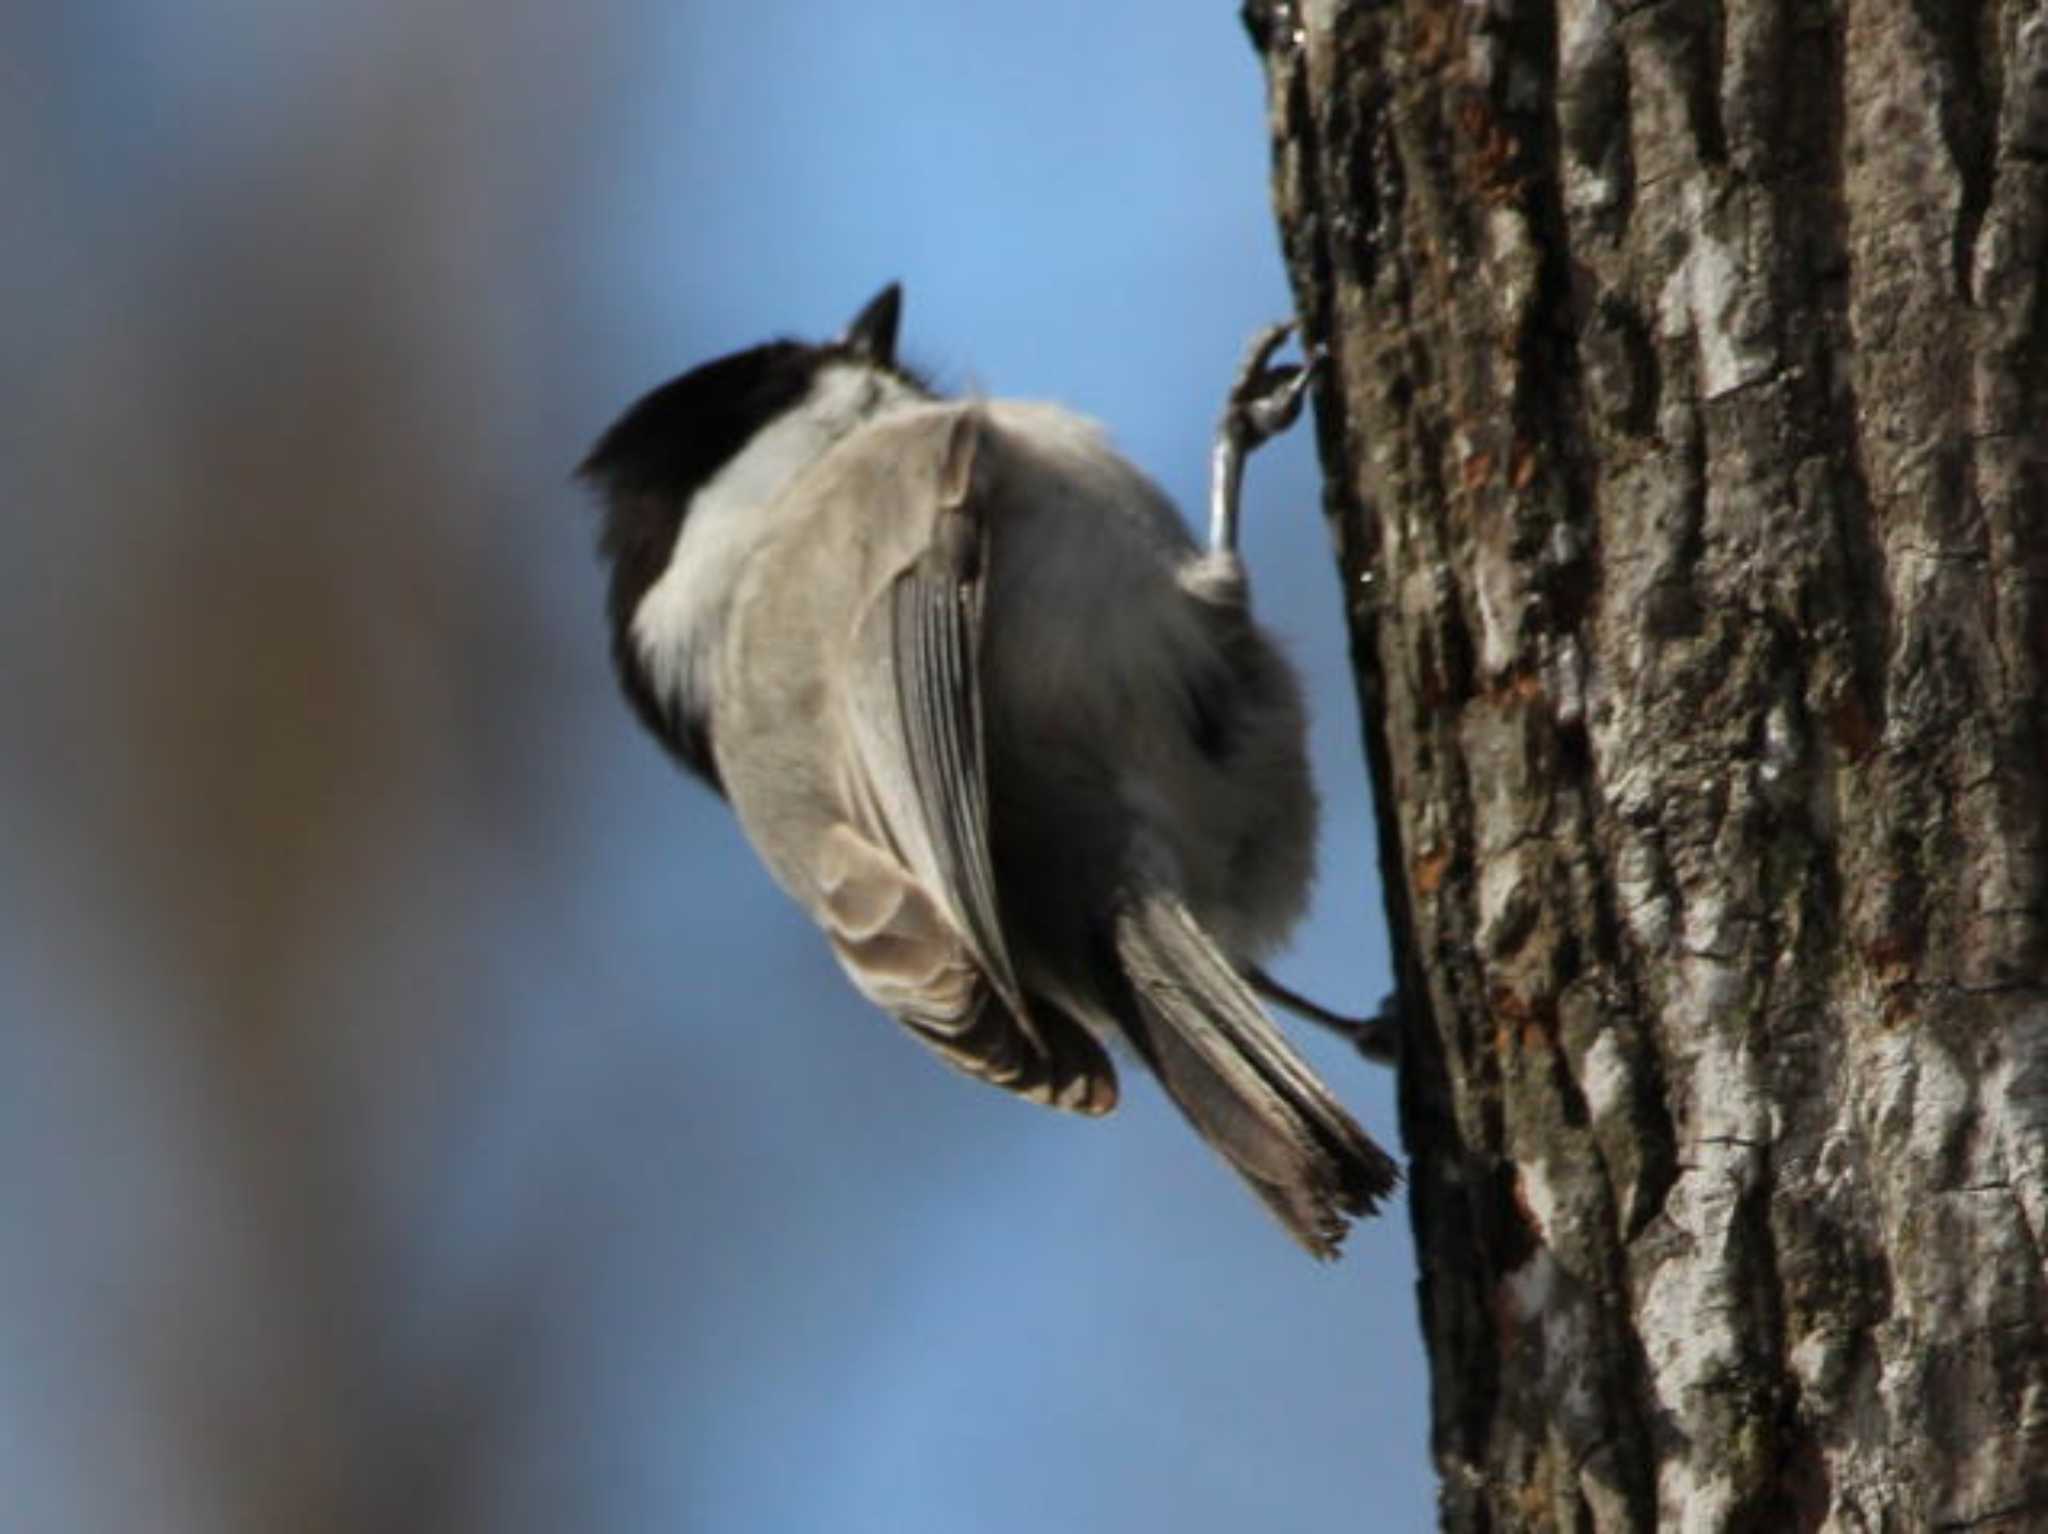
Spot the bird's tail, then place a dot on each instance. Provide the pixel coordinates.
(1239, 1082)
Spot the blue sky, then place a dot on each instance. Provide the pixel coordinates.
(1095, 1330)
(585, 1077)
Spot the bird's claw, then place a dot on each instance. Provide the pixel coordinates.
(1265, 400)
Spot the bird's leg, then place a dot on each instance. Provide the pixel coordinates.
(1264, 401)
(1377, 1038)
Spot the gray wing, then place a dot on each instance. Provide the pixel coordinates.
(920, 729)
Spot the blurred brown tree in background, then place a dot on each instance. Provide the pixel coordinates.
(260, 632)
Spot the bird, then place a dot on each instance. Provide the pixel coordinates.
(999, 725)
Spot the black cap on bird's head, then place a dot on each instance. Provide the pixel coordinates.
(672, 444)
(677, 436)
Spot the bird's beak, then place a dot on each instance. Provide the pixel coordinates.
(873, 332)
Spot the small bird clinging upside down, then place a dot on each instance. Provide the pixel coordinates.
(995, 722)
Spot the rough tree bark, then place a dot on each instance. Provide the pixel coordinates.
(1688, 463)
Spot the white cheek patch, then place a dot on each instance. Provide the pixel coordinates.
(681, 619)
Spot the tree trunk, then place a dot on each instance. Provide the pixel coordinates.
(1686, 449)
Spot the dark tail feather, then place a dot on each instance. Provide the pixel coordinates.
(1240, 1083)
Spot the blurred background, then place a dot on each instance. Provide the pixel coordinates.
(417, 1110)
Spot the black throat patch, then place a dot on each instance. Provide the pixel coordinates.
(647, 469)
